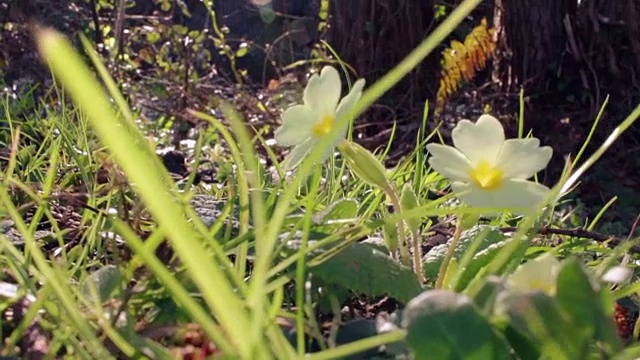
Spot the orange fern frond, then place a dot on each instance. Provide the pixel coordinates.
(462, 60)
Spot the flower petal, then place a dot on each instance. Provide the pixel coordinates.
(515, 193)
(297, 122)
(332, 149)
(323, 91)
(522, 158)
(538, 274)
(350, 99)
(298, 154)
(479, 141)
(449, 162)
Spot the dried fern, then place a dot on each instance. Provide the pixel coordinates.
(461, 61)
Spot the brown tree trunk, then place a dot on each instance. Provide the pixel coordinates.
(531, 41)
(609, 39)
(555, 48)
(375, 35)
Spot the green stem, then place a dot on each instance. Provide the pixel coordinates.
(301, 263)
(417, 255)
(447, 259)
(402, 239)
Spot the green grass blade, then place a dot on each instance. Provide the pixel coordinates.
(143, 168)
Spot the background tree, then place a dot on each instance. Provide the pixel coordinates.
(569, 52)
(376, 35)
(532, 39)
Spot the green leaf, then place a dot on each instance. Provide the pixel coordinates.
(588, 305)
(434, 257)
(180, 29)
(444, 325)
(363, 164)
(267, 14)
(409, 201)
(630, 353)
(539, 318)
(390, 235)
(480, 260)
(243, 49)
(103, 283)
(153, 37)
(487, 294)
(341, 209)
(524, 348)
(364, 269)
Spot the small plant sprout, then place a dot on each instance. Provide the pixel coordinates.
(364, 164)
(539, 274)
(488, 171)
(303, 126)
(370, 170)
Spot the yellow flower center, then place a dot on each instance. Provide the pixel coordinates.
(324, 126)
(544, 285)
(486, 176)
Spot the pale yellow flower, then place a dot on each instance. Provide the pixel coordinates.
(539, 274)
(303, 126)
(489, 171)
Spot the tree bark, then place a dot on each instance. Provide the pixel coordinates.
(374, 36)
(610, 44)
(531, 40)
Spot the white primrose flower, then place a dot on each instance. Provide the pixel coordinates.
(489, 171)
(303, 126)
(539, 274)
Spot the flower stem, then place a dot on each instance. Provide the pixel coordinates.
(417, 256)
(447, 259)
(402, 240)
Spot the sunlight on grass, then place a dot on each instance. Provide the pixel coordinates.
(135, 157)
(452, 237)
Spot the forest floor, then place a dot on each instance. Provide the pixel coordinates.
(562, 122)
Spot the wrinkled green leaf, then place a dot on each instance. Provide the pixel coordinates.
(434, 257)
(364, 269)
(104, 281)
(479, 260)
(588, 305)
(444, 325)
(539, 318)
(341, 209)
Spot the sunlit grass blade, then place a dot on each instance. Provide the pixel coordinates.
(179, 293)
(592, 131)
(257, 298)
(600, 213)
(243, 188)
(359, 346)
(615, 134)
(143, 169)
